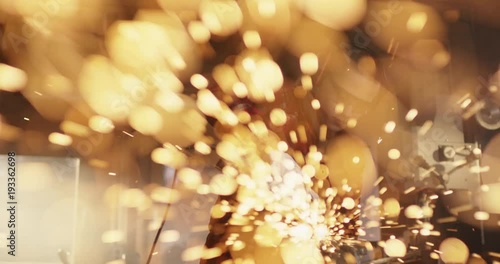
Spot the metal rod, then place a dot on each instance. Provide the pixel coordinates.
(157, 236)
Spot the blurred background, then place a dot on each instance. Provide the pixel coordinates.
(224, 131)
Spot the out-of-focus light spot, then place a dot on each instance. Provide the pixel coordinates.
(411, 115)
(425, 232)
(493, 88)
(395, 248)
(249, 64)
(225, 76)
(448, 192)
(240, 90)
(169, 101)
(348, 203)
(244, 117)
(199, 32)
(307, 82)
(267, 236)
(112, 173)
(60, 139)
(301, 232)
(190, 178)
(56, 84)
(165, 195)
(166, 81)
(315, 104)
(367, 66)
(101, 124)
(301, 130)
(208, 103)
(427, 211)
(376, 202)
(394, 154)
(98, 163)
(476, 151)
(416, 22)
(389, 127)
(282, 146)
(278, 117)
(409, 190)
(222, 184)
(227, 150)
(434, 255)
(258, 128)
(221, 17)
(202, 148)
(414, 212)
(378, 181)
(339, 108)
(481, 216)
(12, 79)
(453, 250)
(27, 119)
(169, 236)
(336, 14)
(170, 156)
(146, 120)
(194, 253)
(217, 212)
(465, 103)
(252, 40)
(133, 198)
(116, 261)
(441, 58)
(203, 189)
(309, 63)
(391, 208)
(355, 160)
(238, 245)
(112, 236)
(267, 76)
(323, 131)
(266, 8)
(352, 122)
(199, 81)
(73, 128)
(479, 169)
(309, 170)
(211, 253)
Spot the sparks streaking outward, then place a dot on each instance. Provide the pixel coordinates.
(333, 131)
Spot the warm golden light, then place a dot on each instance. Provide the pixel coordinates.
(453, 250)
(101, 124)
(309, 63)
(416, 22)
(252, 40)
(278, 117)
(221, 17)
(199, 81)
(395, 248)
(190, 178)
(199, 32)
(146, 120)
(12, 79)
(60, 139)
